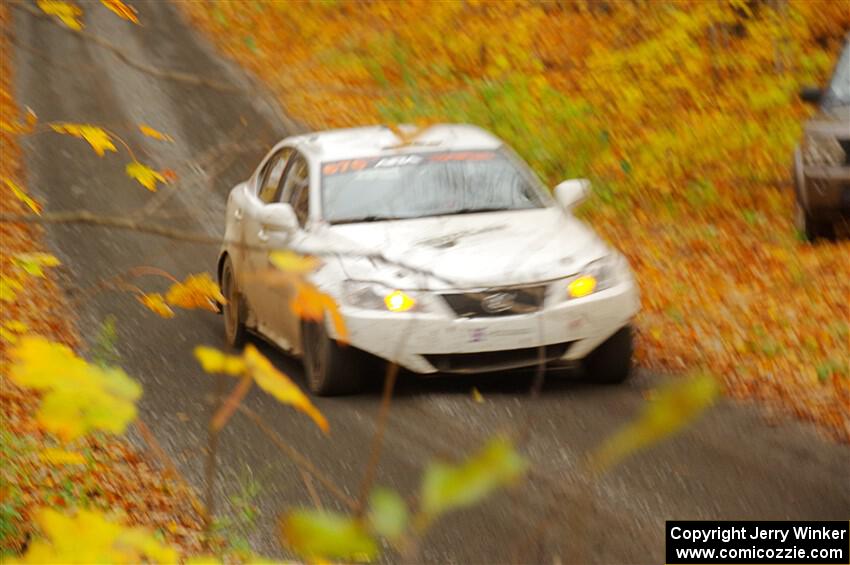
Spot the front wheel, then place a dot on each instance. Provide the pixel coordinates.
(235, 332)
(331, 369)
(611, 361)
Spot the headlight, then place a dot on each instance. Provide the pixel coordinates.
(822, 150)
(373, 296)
(598, 275)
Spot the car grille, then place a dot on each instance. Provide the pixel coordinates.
(500, 302)
(496, 360)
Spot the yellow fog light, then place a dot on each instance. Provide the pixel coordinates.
(582, 286)
(398, 301)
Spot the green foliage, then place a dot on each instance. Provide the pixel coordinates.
(314, 534)
(449, 487)
(388, 514)
(556, 134)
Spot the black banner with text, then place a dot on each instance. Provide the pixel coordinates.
(758, 542)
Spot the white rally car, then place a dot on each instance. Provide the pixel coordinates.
(442, 249)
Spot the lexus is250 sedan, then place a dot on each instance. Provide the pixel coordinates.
(441, 248)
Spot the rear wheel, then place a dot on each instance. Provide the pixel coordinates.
(331, 369)
(611, 362)
(235, 331)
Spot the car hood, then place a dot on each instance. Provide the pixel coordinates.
(469, 250)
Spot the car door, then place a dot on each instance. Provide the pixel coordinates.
(255, 241)
(295, 191)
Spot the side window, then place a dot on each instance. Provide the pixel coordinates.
(271, 175)
(296, 187)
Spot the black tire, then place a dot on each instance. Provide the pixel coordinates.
(235, 332)
(811, 228)
(331, 369)
(611, 361)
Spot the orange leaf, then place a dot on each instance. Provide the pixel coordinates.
(152, 133)
(156, 304)
(196, 291)
(122, 10)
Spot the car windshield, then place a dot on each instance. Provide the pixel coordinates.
(838, 92)
(415, 185)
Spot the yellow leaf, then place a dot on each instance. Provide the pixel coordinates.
(476, 396)
(21, 195)
(122, 10)
(61, 457)
(280, 386)
(68, 13)
(150, 132)
(673, 407)
(32, 263)
(214, 361)
(77, 396)
(196, 291)
(95, 136)
(292, 262)
(88, 537)
(146, 176)
(156, 304)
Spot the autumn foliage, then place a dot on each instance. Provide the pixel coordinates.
(684, 114)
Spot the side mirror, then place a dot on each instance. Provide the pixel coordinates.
(278, 217)
(811, 94)
(571, 193)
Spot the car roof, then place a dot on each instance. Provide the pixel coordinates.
(376, 141)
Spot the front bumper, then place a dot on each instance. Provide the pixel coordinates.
(441, 342)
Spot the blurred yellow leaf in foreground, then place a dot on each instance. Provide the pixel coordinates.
(214, 361)
(88, 537)
(280, 386)
(670, 409)
(77, 396)
(94, 135)
(260, 370)
(146, 176)
(290, 262)
(122, 10)
(196, 291)
(68, 13)
(155, 302)
(154, 134)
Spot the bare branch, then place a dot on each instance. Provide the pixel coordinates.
(378, 438)
(85, 217)
(300, 460)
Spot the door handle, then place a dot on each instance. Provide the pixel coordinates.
(262, 235)
(238, 213)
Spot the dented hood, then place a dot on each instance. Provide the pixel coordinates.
(470, 250)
